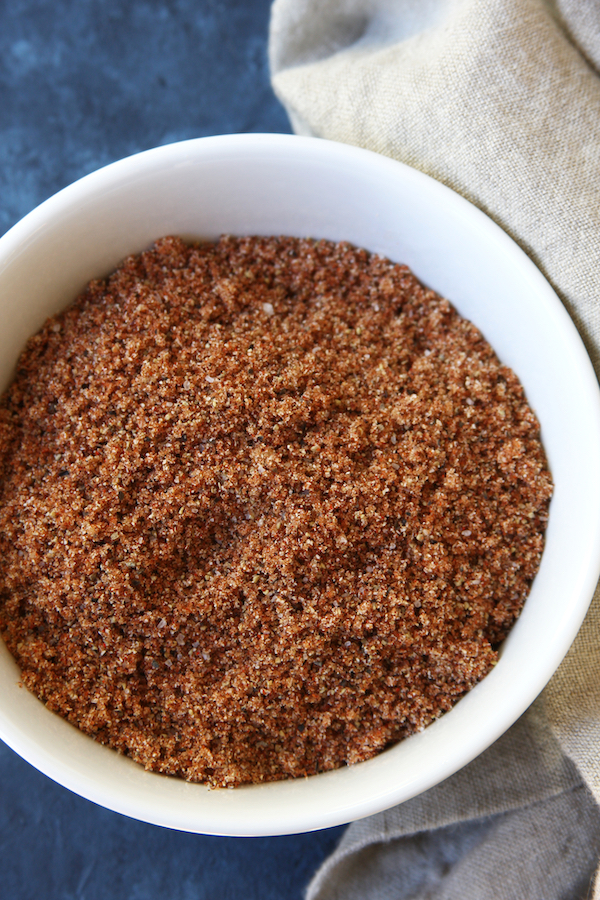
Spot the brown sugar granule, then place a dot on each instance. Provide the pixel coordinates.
(267, 506)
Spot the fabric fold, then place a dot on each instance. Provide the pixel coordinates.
(499, 100)
(522, 791)
(546, 850)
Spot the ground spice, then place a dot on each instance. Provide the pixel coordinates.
(267, 506)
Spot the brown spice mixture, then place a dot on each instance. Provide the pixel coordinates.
(267, 505)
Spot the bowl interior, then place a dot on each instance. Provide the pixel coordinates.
(277, 184)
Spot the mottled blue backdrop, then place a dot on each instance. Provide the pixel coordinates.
(86, 82)
(83, 83)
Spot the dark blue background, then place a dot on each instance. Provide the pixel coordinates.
(83, 83)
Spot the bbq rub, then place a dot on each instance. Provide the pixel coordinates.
(266, 507)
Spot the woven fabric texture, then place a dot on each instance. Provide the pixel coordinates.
(499, 100)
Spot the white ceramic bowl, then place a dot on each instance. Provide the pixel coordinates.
(276, 184)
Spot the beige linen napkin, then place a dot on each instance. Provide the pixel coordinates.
(500, 100)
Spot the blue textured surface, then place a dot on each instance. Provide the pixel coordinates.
(56, 846)
(83, 83)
